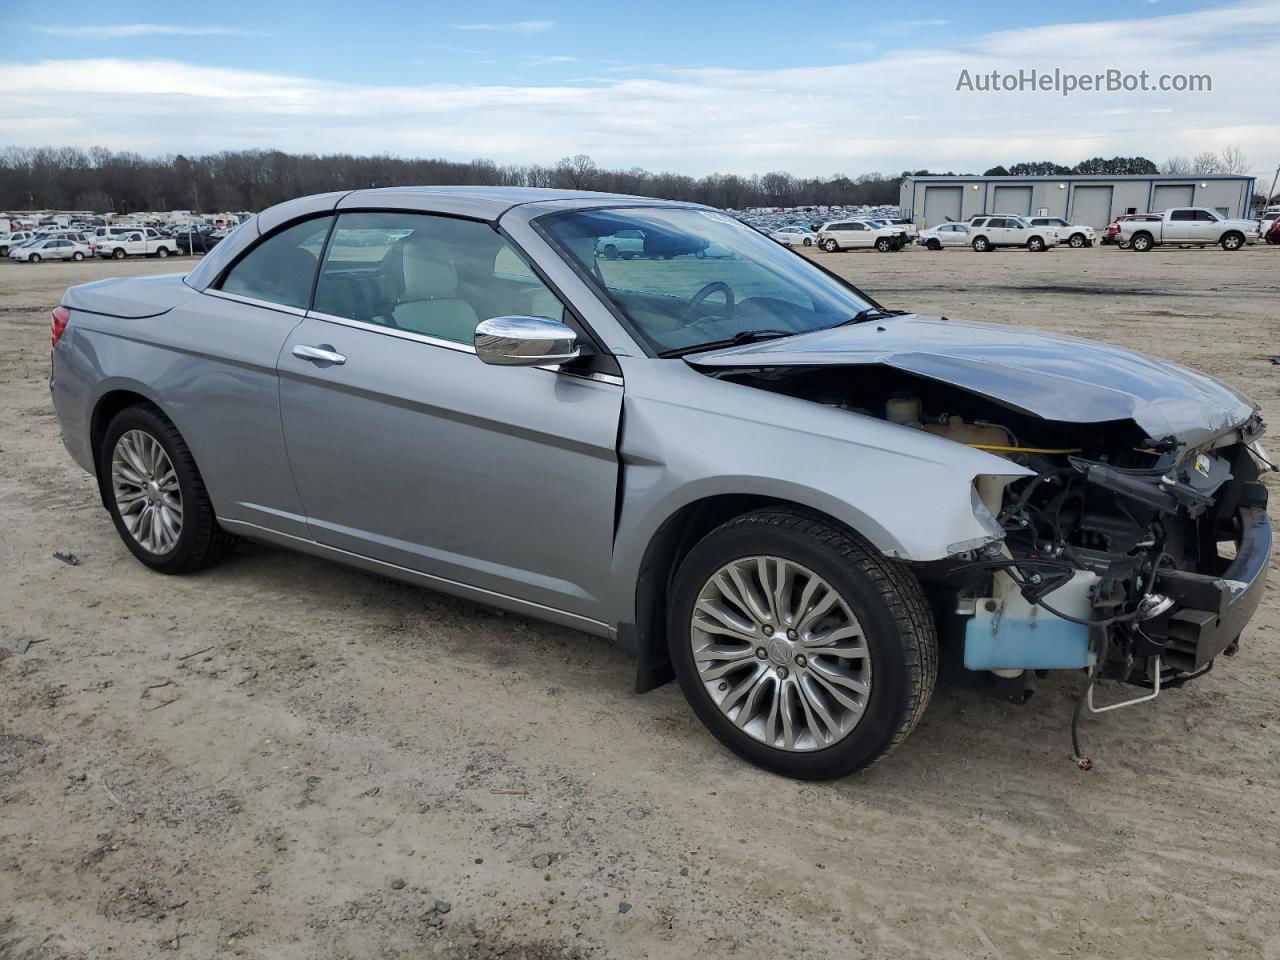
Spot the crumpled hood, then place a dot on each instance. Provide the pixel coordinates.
(1054, 377)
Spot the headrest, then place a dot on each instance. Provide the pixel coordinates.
(429, 271)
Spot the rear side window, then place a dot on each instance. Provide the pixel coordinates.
(282, 268)
(1182, 215)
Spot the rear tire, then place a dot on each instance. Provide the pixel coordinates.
(981, 245)
(201, 541)
(830, 246)
(162, 252)
(1141, 242)
(891, 638)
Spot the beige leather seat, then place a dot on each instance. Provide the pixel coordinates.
(429, 303)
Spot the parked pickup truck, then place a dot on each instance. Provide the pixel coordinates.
(136, 243)
(1190, 226)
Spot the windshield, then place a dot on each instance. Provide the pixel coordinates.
(699, 277)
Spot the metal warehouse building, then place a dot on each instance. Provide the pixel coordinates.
(1091, 200)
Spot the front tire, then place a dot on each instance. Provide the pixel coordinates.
(77, 256)
(808, 241)
(1233, 241)
(34, 258)
(934, 244)
(801, 648)
(156, 496)
(1035, 245)
(1077, 240)
(884, 244)
(118, 253)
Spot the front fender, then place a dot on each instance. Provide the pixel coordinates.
(687, 437)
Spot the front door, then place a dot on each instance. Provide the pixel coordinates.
(408, 449)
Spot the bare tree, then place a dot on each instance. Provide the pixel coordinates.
(1233, 160)
(1206, 162)
(1177, 166)
(578, 172)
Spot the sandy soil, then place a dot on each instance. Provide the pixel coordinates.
(283, 758)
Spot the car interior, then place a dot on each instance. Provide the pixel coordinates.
(428, 285)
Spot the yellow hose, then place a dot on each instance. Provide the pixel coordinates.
(997, 448)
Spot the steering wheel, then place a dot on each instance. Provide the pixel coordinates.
(691, 314)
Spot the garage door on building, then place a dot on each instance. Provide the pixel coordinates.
(941, 203)
(1014, 200)
(1172, 195)
(1091, 206)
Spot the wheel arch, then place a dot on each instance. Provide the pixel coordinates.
(644, 638)
(108, 405)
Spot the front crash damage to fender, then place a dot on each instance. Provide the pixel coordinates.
(1125, 553)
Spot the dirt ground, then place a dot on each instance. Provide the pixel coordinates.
(283, 758)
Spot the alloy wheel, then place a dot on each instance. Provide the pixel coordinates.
(145, 486)
(780, 653)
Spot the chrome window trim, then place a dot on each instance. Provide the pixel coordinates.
(253, 302)
(449, 345)
(387, 331)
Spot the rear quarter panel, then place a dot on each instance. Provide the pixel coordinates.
(209, 365)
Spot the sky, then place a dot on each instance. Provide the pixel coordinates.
(692, 87)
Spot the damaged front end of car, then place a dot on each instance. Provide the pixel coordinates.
(1130, 553)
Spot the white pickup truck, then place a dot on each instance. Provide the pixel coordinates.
(143, 242)
(1188, 226)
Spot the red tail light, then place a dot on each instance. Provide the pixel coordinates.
(58, 323)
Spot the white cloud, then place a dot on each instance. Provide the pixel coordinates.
(545, 61)
(514, 26)
(891, 112)
(114, 31)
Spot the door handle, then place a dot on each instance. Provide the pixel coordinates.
(324, 355)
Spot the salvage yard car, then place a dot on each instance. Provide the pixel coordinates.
(745, 471)
(1073, 235)
(990, 233)
(53, 248)
(136, 243)
(944, 235)
(859, 234)
(11, 241)
(1188, 226)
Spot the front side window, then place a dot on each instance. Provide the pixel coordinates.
(431, 275)
(702, 278)
(282, 268)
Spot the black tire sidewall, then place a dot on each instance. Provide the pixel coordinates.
(146, 419)
(889, 673)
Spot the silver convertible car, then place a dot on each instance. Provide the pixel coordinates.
(747, 473)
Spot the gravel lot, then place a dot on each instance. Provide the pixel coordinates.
(283, 758)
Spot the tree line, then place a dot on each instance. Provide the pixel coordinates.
(98, 179)
(124, 182)
(1230, 160)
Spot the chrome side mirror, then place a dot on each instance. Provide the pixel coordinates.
(525, 342)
